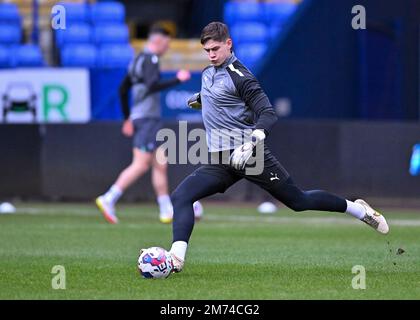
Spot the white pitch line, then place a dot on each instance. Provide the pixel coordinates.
(233, 218)
(305, 220)
(54, 211)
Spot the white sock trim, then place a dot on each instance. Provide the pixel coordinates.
(113, 194)
(163, 198)
(165, 205)
(356, 210)
(179, 248)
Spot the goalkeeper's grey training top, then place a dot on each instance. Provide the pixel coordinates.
(233, 104)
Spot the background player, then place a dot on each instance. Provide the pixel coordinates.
(143, 122)
(231, 97)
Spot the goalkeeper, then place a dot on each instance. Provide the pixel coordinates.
(231, 98)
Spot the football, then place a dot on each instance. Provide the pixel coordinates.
(267, 207)
(155, 263)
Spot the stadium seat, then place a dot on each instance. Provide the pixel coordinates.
(28, 55)
(10, 34)
(235, 11)
(9, 14)
(5, 57)
(249, 32)
(107, 12)
(278, 12)
(251, 53)
(75, 33)
(76, 12)
(112, 33)
(115, 55)
(79, 55)
(274, 30)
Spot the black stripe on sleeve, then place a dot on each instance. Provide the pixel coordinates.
(253, 95)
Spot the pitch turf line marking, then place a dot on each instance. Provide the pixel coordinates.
(227, 218)
(280, 220)
(56, 211)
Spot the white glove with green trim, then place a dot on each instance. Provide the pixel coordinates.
(241, 155)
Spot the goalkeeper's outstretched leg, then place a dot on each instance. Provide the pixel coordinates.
(319, 200)
(203, 182)
(231, 97)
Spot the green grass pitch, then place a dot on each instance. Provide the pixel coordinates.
(235, 253)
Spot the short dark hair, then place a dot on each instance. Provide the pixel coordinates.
(216, 31)
(159, 29)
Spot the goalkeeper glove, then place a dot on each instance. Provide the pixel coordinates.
(241, 155)
(195, 101)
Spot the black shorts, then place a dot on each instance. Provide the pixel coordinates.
(273, 175)
(145, 131)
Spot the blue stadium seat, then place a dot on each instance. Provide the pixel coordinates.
(278, 12)
(251, 53)
(107, 12)
(243, 11)
(76, 12)
(112, 33)
(75, 33)
(5, 57)
(9, 14)
(275, 29)
(10, 34)
(115, 55)
(79, 55)
(249, 32)
(28, 55)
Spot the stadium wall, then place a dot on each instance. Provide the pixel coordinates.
(78, 162)
(323, 68)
